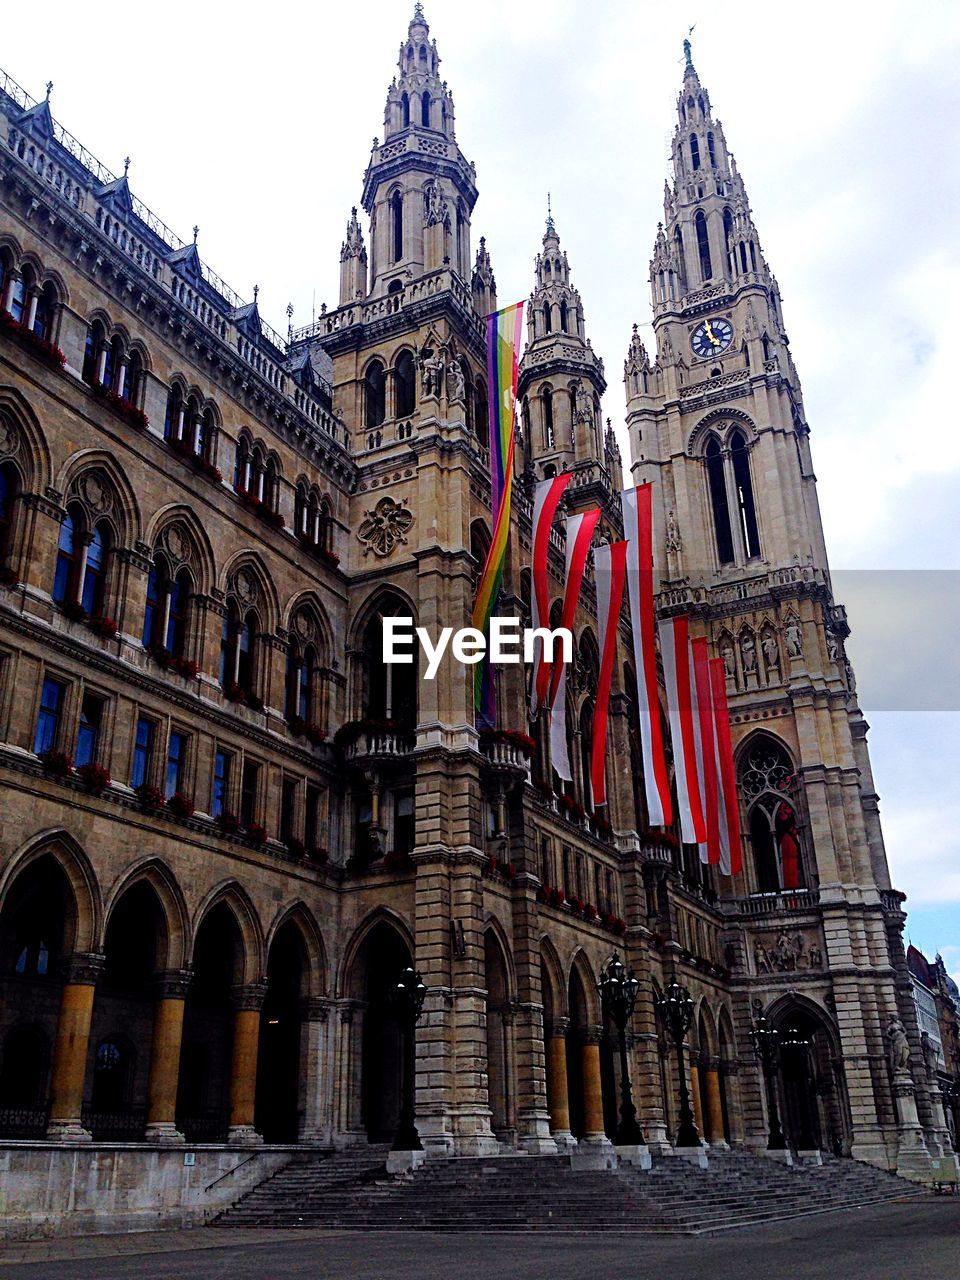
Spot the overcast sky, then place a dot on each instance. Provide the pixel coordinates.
(255, 122)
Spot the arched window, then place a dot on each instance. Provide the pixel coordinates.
(94, 354)
(44, 305)
(548, 433)
(728, 232)
(743, 255)
(66, 573)
(9, 485)
(301, 672)
(586, 753)
(93, 588)
(425, 111)
(308, 669)
(390, 689)
(271, 485)
(375, 395)
(203, 435)
(133, 379)
(112, 1077)
(563, 317)
(703, 245)
(405, 110)
(406, 385)
(769, 787)
(396, 214)
(753, 256)
(711, 151)
(245, 640)
(178, 613)
(156, 600)
(173, 418)
(18, 295)
(744, 487)
(547, 318)
(681, 264)
(694, 151)
(718, 500)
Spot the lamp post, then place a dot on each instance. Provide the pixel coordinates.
(765, 1039)
(675, 1009)
(407, 999)
(618, 996)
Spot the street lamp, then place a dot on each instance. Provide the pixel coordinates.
(618, 995)
(765, 1039)
(675, 1008)
(407, 998)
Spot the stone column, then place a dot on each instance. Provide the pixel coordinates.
(558, 1100)
(81, 972)
(315, 1117)
(694, 1072)
(165, 1058)
(714, 1106)
(592, 1090)
(248, 1001)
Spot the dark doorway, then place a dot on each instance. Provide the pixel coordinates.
(384, 956)
(278, 1069)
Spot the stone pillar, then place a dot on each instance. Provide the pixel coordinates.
(913, 1158)
(592, 1090)
(165, 1058)
(695, 1101)
(68, 1077)
(315, 1125)
(243, 1068)
(714, 1107)
(558, 1100)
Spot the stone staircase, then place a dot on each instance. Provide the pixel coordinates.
(350, 1190)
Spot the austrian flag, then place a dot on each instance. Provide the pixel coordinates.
(682, 705)
(610, 563)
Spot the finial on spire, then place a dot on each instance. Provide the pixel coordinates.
(687, 50)
(49, 89)
(256, 293)
(196, 232)
(418, 12)
(126, 165)
(550, 225)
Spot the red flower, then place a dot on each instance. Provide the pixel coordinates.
(228, 823)
(180, 805)
(296, 848)
(256, 833)
(508, 871)
(94, 775)
(57, 763)
(104, 627)
(319, 856)
(150, 797)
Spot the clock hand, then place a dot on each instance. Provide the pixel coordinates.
(708, 329)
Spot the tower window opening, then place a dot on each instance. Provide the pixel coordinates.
(548, 435)
(425, 111)
(678, 242)
(703, 246)
(396, 209)
(694, 151)
(547, 320)
(718, 501)
(702, 105)
(753, 256)
(563, 317)
(711, 151)
(748, 512)
(663, 287)
(743, 256)
(405, 109)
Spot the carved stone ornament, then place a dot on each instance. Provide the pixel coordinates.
(245, 586)
(176, 542)
(385, 527)
(9, 437)
(794, 638)
(787, 951)
(898, 1047)
(95, 491)
(303, 625)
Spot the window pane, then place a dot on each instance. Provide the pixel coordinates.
(221, 783)
(88, 733)
(51, 703)
(142, 751)
(176, 755)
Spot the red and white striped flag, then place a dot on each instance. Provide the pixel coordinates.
(579, 535)
(611, 566)
(638, 530)
(709, 752)
(731, 860)
(682, 705)
(546, 499)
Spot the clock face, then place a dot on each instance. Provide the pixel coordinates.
(711, 337)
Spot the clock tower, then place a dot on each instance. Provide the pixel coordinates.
(717, 425)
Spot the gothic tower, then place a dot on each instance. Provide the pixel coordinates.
(717, 424)
(561, 381)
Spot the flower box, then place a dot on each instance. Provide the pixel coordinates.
(180, 805)
(296, 848)
(228, 823)
(234, 693)
(511, 737)
(256, 833)
(41, 348)
(590, 912)
(319, 856)
(578, 905)
(659, 838)
(105, 628)
(73, 610)
(557, 897)
(150, 797)
(508, 871)
(121, 406)
(260, 508)
(95, 776)
(56, 763)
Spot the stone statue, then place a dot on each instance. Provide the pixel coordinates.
(760, 958)
(674, 541)
(748, 652)
(436, 210)
(432, 368)
(794, 639)
(456, 386)
(729, 661)
(898, 1050)
(833, 647)
(930, 1055)
(771, 650)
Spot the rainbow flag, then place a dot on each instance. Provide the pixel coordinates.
(504, 331)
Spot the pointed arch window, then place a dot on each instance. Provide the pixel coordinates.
(744, 488)
(694, 151)
(769, 786)
(703, 245)
(375, 395)
(712, 150)
(68, 560)
(425, 110)
(728, 232)
(405, 110)
(564, 317)
(9, 485)
(681, 264)
(178, 614)
(547, 318)
(548, 432)
(406, 385)
(396, 217)
(93, 588)
(717, 485)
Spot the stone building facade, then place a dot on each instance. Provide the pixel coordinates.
(227, 825)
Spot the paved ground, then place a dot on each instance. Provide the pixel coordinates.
(919, 1240)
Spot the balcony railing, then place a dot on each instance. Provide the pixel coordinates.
(24, 1122)
(207, 1125)
(115, 1126)
(787, 902)
(361, 741)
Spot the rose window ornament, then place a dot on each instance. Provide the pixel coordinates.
(385, 527)
(766, 769)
